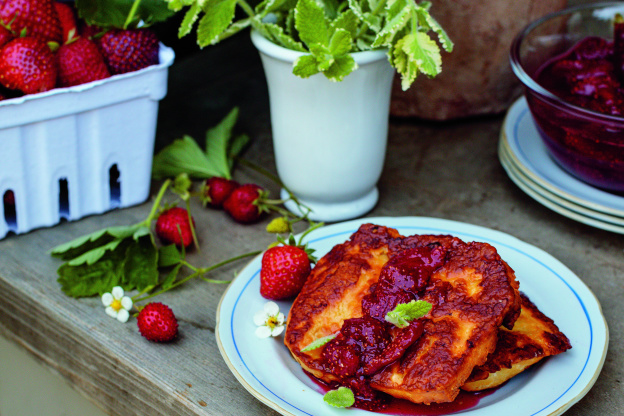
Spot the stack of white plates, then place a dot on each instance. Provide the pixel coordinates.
(527, 162)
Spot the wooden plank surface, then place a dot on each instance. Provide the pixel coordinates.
(446, 170)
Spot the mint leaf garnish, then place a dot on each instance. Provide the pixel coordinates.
(342, 397)
(318, 343)
(404, 313)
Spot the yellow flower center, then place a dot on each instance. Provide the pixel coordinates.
(272, 322)
(116, 304)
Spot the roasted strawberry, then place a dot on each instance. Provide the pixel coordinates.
(67, 19)
(216, 190)
(129, 50)
(80, 62)
(283, 272)
(157, 323)
(245, 203)
(37, 17)
(173, 227)
(27, 64)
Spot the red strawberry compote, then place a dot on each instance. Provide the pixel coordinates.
(368, 344)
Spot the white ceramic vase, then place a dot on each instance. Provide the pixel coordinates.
(329, 137)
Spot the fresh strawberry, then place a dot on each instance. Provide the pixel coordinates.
(173, 227)
(27, 64)
(5, 36)
(284, 271)
(245, 203)
(157, 323)
(129, 50)
(80, 62)
(216, 190)
(37, 17)
(67, 19)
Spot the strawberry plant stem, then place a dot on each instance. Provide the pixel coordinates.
(191, 223)
(246, 7)
(133, 10)
(159, 197)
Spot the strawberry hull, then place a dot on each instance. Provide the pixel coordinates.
(72, 152)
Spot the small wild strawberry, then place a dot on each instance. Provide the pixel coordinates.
(173, 227)
(245, 203)
(157, 323)
(127, 50)
(27, 64)
(284, 271)
(216, 190)
(80, 62)
(38, 18)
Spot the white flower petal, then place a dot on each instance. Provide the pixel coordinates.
(280, 318)
(107, 299)
(277, 330)
(260, 318)
(263, 332)
(117, 292)
(271, 308)
(126, 303)
(111, 312)
(123, 315)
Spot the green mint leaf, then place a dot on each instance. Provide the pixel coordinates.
(342, 397)
(217, 140)
(305, 66)
(340, 68)
(114, 13)
(169, 256)
(272, 6)
(233, 29)
(86, 280)
(183, 156)
(399, 14)
(311, 23)
(340, 43)
(423, 50)
(190, 17)
(318, 343)
(348, 21)
(428, 21)
(404, 313)
(171, 277)
(277, 35)
(140, 265)
(218, 15)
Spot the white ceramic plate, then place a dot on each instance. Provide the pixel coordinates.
(554, 202)
(265, 368)
(531, 156)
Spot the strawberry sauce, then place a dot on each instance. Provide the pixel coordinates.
(368, 344)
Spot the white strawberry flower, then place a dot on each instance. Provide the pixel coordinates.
(117, 305)
(270, 321)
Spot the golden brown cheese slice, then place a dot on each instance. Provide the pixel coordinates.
(533, 337)
(472, 295)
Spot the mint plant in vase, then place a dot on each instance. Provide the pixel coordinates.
(329, 66)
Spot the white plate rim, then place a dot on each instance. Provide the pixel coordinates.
(553, 202)
(591, 308)
(576, 190)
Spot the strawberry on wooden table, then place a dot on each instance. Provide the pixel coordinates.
(157, 323)
(27, 64)
(37, 18)
(245, 203)
(127, 50)
(80, 62)
(173, 227)
(216, 190)
(284, 271)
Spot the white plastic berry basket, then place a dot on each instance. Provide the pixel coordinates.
(72, 152)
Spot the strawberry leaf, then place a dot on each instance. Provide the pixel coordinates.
(183, 156)
(169, 256)
(140, 265)
(114, 13)
(217, 140)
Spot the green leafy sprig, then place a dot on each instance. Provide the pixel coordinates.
(328, 31)
(404, 313)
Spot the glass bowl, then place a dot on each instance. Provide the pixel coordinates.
(587, 144)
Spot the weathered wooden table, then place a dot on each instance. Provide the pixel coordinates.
(447, 170)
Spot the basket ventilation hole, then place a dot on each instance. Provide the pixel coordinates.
(10, 213)
(115, 186)
(63, 199)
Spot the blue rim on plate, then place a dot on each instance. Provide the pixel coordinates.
(266, 369)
